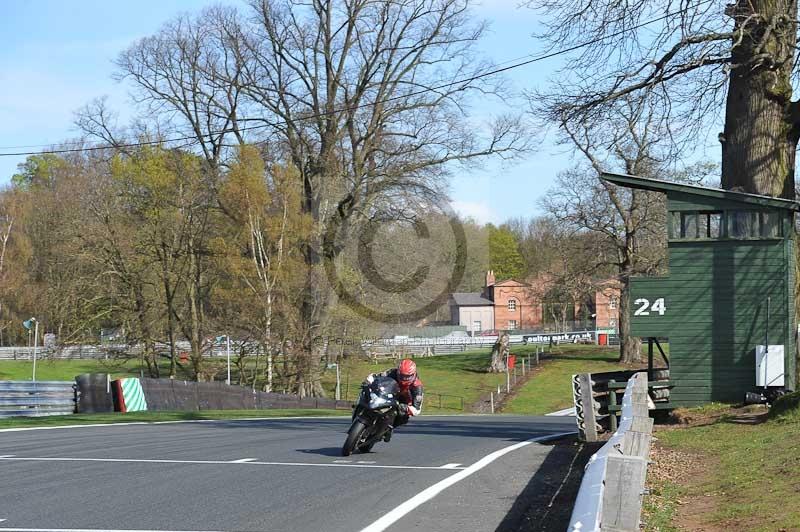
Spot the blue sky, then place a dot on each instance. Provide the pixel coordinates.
(57, 56)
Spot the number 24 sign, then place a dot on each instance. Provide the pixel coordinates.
(644, 307)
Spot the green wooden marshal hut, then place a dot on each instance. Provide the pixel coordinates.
(729, 292)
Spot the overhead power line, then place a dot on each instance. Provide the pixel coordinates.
(463, 81)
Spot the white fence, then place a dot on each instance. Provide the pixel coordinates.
(434, 346)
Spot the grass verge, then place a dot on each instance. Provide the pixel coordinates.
(450, 380)
(153, 417)
(550, 387)
(756, 462)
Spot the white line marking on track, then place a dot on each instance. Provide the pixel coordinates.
(393, 516)
(129, 423)
(211, 462)
(450, 466)
(8, 456)
(243, 460)
(93, 530)
(290, 418)
(366, 462)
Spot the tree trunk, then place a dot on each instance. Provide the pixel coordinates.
(499, 353)
(629, 347)
(195, 336)
(759, 140)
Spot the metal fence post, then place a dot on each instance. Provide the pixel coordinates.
(491, 401)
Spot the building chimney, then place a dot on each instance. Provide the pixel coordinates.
(489, 278)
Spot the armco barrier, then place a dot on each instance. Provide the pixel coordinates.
(39, 398)
(610, 495)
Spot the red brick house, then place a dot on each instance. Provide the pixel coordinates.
(511, 304)
(507, 305)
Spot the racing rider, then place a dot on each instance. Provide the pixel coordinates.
(410, 399)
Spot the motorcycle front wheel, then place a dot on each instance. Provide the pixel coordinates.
(353, 437)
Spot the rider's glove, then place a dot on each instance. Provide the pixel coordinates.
(369, 379)
(413, 411)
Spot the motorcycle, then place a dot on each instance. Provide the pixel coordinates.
(373, 415)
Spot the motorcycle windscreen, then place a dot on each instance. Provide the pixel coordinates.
(383, 393)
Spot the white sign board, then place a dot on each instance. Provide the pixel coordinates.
(769, 365)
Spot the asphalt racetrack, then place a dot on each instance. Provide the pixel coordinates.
(437, 474)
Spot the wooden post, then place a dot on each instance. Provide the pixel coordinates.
(587, 407)
(637, 443)
(491, 401)
(624, 489)
(612, 400)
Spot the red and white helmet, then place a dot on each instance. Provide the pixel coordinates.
(406, 372)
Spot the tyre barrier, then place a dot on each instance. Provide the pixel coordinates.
(93, 391)
(97, 394)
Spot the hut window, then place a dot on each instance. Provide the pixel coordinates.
(714, 224)
(771, 226)
(688, 225)
(695, 225)
(743, 224)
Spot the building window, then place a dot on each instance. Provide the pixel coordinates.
(512, 324)
(512, 304)
(743, 224)
(695, 225)
(476, 326)
(612, 303)
(771, 226)
(733, 224)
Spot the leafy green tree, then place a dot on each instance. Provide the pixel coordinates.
(38, 170)
(505, 258)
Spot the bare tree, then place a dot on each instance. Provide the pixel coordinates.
(626, 219)
(367, 99)
(696, 60)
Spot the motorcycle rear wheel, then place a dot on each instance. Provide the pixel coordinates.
(353, 437)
